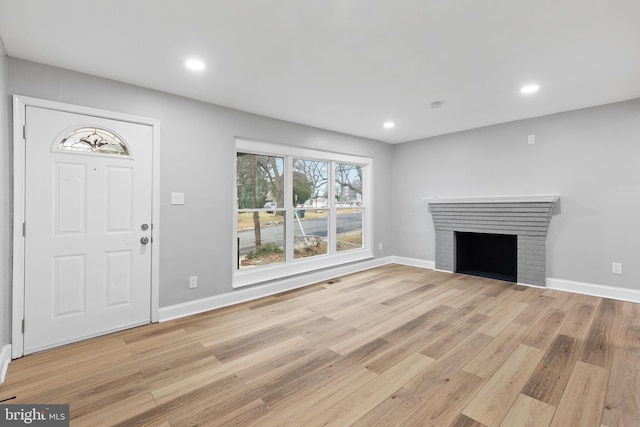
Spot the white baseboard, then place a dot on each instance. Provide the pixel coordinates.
(255, 292)
(622, 294)
(260, 291)
(5, 359)
(412, 262)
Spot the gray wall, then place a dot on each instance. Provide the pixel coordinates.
(590, 157)
(198, 158)
(5, 200)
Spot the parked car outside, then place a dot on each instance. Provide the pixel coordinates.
(271, 205)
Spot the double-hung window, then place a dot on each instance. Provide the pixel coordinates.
(297, 210)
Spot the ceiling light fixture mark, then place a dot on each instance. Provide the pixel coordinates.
(530, 88)
(195, 64)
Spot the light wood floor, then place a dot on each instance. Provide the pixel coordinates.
(392, 346)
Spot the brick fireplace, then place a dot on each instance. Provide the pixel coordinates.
(526, 217)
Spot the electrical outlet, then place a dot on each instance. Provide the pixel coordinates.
(531, 139)
(379, 246)
(616, 267)
(193, 282)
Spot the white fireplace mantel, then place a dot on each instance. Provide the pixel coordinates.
(538, 198)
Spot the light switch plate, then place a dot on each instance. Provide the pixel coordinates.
(177, 198)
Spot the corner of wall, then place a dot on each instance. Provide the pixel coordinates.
(5, 201)
(5, 358)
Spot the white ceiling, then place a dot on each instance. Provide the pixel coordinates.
(348, 65)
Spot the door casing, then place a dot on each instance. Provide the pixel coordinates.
(18, 207)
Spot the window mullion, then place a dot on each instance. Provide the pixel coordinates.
(331, 205)
(288, 203)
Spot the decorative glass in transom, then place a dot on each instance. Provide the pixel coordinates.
(94, 140)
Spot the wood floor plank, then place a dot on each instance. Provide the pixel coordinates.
(216, 372)
(528, 412)
(534, 311)
(108, 393)
(392, 410)
(542, 333)
(562, 300)
(599, 345)
(622, 404)
(420, 290)
(412, 344)
(325, 338)
(51, 362)
(24, 385)
(630, 306)
(220, 397)
(360, 402)
(307, 404)
(241, 417)
(446, 341)
(578, 321)
(469, 297)
(412, 347)
(114, 413)
(314, 370)
(582, 401)
(429, 382)
(464, 421)
(444, 406)
(489, 360)
(548, 381)
(158, 342)
(494, 400)
(379, 329)
(61, 391)
(462, 314)
(232, 404)
(496, 287)
(295, 353)
(247, 344)
(496, 324)
(415, 325)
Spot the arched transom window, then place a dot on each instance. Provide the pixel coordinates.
(94, 140)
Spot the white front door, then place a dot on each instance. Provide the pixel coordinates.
(88, 211)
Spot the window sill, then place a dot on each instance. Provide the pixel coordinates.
(270, 273)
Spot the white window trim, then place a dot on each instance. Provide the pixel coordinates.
(273, 272)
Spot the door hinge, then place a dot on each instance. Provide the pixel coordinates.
(24, 132)
(23, 326)
(24, 229)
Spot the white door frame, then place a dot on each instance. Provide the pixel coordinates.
(20, 104)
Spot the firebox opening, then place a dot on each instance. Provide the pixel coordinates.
(487, 255)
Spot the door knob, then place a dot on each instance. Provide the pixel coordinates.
(144, 240)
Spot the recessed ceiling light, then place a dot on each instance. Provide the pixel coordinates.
(194, 64)
(530, 88)
(389, 125)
